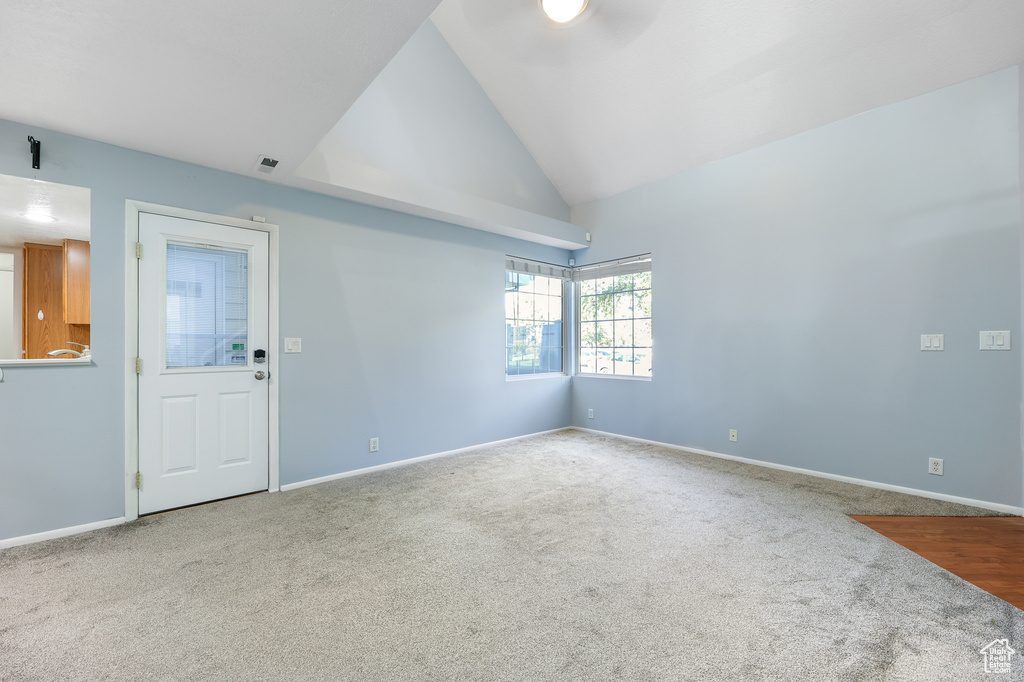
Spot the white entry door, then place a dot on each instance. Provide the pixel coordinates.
(203, 391)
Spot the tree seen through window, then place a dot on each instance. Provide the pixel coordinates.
(615, 325)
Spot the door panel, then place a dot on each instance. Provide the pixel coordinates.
(235, 425)
(203, 311)
(178, 430)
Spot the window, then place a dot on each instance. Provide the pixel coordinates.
(207, 309)
(613, 307)
(535, 295)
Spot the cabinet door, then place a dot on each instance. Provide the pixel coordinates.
(76, 282)
(42, 285)
(43, 279)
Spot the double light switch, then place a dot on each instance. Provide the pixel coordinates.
(994, 340)
(998, 340)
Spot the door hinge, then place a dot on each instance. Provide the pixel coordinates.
(138, 480)
(138, 365)
(138, 249)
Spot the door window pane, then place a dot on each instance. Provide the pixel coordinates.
(207, 306)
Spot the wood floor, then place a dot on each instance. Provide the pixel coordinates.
(985, 551)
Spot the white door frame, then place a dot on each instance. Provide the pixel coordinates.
(131, 340)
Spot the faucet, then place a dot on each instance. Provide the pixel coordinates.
(86, 353)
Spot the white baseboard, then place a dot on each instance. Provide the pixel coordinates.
(994, 506)
(86, 527)
(59, 532)
(413, 460)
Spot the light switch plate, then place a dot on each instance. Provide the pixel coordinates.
(994, 340)
(932, 342)
(292, 345)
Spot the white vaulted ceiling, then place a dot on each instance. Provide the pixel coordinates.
(634, 91)
(637, 90)
(214, 83)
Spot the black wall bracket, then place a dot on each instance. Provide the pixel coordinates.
(34, 146)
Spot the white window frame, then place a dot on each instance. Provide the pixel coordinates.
(562, 272)
(621, 266)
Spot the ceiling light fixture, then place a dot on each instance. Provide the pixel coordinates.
(37, 216)
(563, 11)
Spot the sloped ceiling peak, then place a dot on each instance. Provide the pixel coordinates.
(425, 118)
(638, 90)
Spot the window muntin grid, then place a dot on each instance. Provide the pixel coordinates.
(615, 326)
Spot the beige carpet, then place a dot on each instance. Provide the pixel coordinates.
(564, 557)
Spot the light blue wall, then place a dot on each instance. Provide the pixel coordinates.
(402, 322)
(426, 118)
(792, 282)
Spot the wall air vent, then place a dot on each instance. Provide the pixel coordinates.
(265, 164)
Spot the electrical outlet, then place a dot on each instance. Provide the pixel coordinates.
(734, 435)
(935, 466)
(374, 445)
(590, 413)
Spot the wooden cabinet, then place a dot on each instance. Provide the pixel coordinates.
(76, 282)
(43, 291)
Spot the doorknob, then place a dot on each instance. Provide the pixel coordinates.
(261, 375)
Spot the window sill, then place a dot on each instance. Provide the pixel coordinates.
(47, 362)
(621, 377)
(528, 377)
